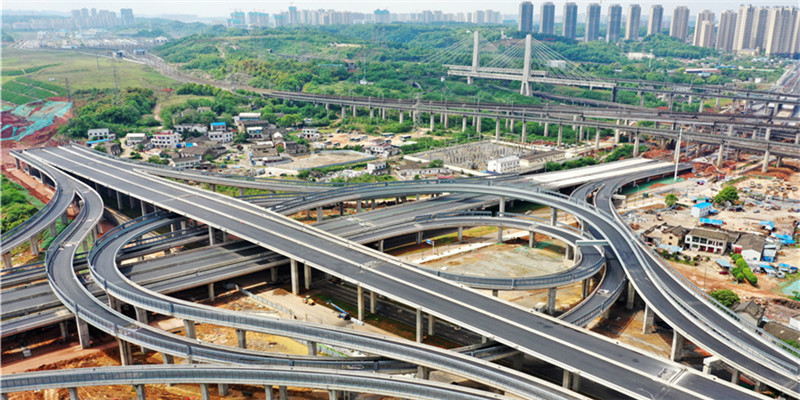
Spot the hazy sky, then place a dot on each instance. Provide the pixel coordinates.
(221, 8)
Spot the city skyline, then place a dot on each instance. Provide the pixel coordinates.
(207, 9)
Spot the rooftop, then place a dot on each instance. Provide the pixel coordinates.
(709, 234)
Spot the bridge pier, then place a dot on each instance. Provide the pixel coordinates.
(499, 234)
(83, 333)
(423, 373)
(360, 301)
(446, 121)
(380, 246)
(205, 392)
(211, 238)
(371, 113)
(702, 105)
(189, 328)
(460, 233)
(551, 300)
(630, 298)
(531, 239)
(222, 389)
(433, 120)
(636, 144)
(7, 263)
(585, 287)
(677, 346)
(597, 138)
(778, 161)
(295, 278)
(571, 380)
(678, 149)
(312, 348)
(524, 132)
(62, 326)
(139, 392)
(419, 325)
(73, 393)
(553, 216)
(431, 325)
(241, 338)
(143, 207)
(560, 135)
(273, 274)
(580, 132)
(308, 278)
(709, 363)
(546, 132)
(268, 390)
(765, 164)
(373, 301)
(735, 377)
(125, 352)
(647, 323)
(671, 101)
(34, 242)
(463, 124)
(720, 155)
(344, 112)
(319, 214)
(401, 117)
(478, 126)
(354, 110)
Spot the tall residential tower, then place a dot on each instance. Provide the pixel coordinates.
(548, 18)
(614, 22)
(570, 19)
(526, 17)
(632, 24)
(680, 23)
(592, 22)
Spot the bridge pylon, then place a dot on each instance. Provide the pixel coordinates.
(525, 88)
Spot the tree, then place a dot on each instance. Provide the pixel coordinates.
(725, 296)
(727, 194)
(670, 199)
(436, 164)
(99, 147)
(135, 156)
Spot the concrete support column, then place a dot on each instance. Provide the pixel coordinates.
(431, 325)
(779, 162)
(125, 353)
(341, 209)
(702, 105)
(499, 234)
(139, 392)
(460, 233)
(372, 301)
(83, 333)
(312, 348)
(333, 395)
(64, 330)
(551, 300)
(241, 192)
(677, 346)
(307, 275)
(319, 214)
(735, 377)
(222, 388)
(241, 338)
(358, 206)
(560, 135)
(360, 301)
(631, 297)
(205, 392)
(463, 124)
(269, 392)
(119, 200)
(211, 292)
(188, 327)
(34, 242)
(7, 263)
(585, 287)
(73, 393)
(497, 129)
(212, 240)
(569, 252)
(446, 121)
(401, 116)
(371, 113)
(419, 237)
(524, 131)
(433, 121)
(531, 239)
(143, 206)
(380, 246)
(546, 129)
(616, 136)
(295, 278)
(283, 393)
(709, 363)
(581, 132)
(765, 165)
(344, 112)
(647, 323)
(720, 155)
(167, 358)
(597, 138)
(212, 187)
(571, 381)
(273, 273)
(355, 111)
(478, 127)
(53, 229)
(419, 325)
(678, 150)
(553, 216)
(636, 144)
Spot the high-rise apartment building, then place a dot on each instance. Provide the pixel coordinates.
(614, 22)
(700, 40)
(760, 27)
(548, 24)
(726, 31)
(743, 38)
(526, 17)
(780, 37)
(632, 24)
(656, 19)
(592, 22)
(680, 23)
(570, 19)
(126, 15)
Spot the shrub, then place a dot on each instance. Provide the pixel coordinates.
(725, 296)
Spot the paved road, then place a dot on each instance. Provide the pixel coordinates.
(599, 359)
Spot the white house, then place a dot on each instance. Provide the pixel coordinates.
(166, 139)
(255, 132)
(503, 164)
(309, 134)
(382, 150)
(706, 240)
(249, 116)
(700, 210)
(182, 161)
(186, 128)
(132, 139)
(377, 167)
(218, 126)
(750, 246)
(221, 136)
(100, 134)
